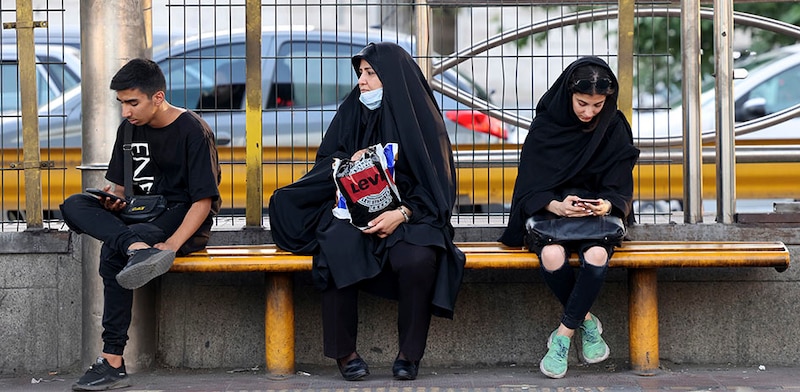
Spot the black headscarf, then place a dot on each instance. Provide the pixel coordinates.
(561, 152)
(300, 213)
(408, 115)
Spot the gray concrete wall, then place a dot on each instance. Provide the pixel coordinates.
(742, 316)
(40, 301)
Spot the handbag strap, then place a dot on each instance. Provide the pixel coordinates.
(127, 153)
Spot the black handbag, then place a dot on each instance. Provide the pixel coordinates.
(140, 208)
(143, 208)
(608, 229)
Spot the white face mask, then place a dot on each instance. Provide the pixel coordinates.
(372, 99)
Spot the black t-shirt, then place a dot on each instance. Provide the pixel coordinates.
(178, 161)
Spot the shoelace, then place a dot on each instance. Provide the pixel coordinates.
(591, 335)
(561, 349)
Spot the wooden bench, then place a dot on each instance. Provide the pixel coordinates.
(641, 258)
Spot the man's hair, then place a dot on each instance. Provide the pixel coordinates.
(142, 74)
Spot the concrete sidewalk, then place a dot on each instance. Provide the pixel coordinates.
(600, 377)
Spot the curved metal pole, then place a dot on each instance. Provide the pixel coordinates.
(593, 16)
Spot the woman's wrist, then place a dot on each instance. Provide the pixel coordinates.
(406, 215)
(551, 207)
(609, 205)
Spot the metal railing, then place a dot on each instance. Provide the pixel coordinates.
(657, 151)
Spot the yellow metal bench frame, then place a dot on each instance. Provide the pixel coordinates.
(642, 258)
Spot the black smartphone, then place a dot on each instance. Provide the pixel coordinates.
(102, 193)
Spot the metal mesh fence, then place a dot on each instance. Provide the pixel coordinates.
(485, 59)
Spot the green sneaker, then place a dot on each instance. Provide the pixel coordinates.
(593, 348)
(554, 363)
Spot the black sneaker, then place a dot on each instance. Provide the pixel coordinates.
(101, 376)
(143, 266)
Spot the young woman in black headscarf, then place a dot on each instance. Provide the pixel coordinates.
(406, 254)
(577, 160)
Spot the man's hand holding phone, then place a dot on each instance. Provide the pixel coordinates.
(110, 201)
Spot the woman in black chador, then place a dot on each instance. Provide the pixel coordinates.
(577, 161)
(406, 253)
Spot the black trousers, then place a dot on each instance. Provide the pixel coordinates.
(414, 270)
(84, 214)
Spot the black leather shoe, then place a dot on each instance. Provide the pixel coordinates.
(405, 370)
(355, 370)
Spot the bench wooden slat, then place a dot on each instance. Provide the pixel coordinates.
(639, 254)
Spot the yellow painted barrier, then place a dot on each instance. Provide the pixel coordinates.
(478, 183)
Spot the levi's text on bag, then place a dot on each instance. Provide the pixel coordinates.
(365, 187)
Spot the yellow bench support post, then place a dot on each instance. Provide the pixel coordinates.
(279, 324)
(643, 323)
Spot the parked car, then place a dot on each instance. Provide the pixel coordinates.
(305, 75)
(58, 71)
(306, 72)
(303, 71)
(772, 84)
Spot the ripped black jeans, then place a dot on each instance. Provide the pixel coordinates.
(576, 293)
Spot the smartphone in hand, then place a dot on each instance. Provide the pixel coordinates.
(594, 202)
(102, 193)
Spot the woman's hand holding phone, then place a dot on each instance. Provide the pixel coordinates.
(594, 202)
(595, 206)
(584, 207)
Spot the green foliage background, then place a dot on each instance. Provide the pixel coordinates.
(657, 44)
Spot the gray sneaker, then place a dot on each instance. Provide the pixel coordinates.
(145, 265)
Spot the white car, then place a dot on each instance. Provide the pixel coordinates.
(772, 84)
